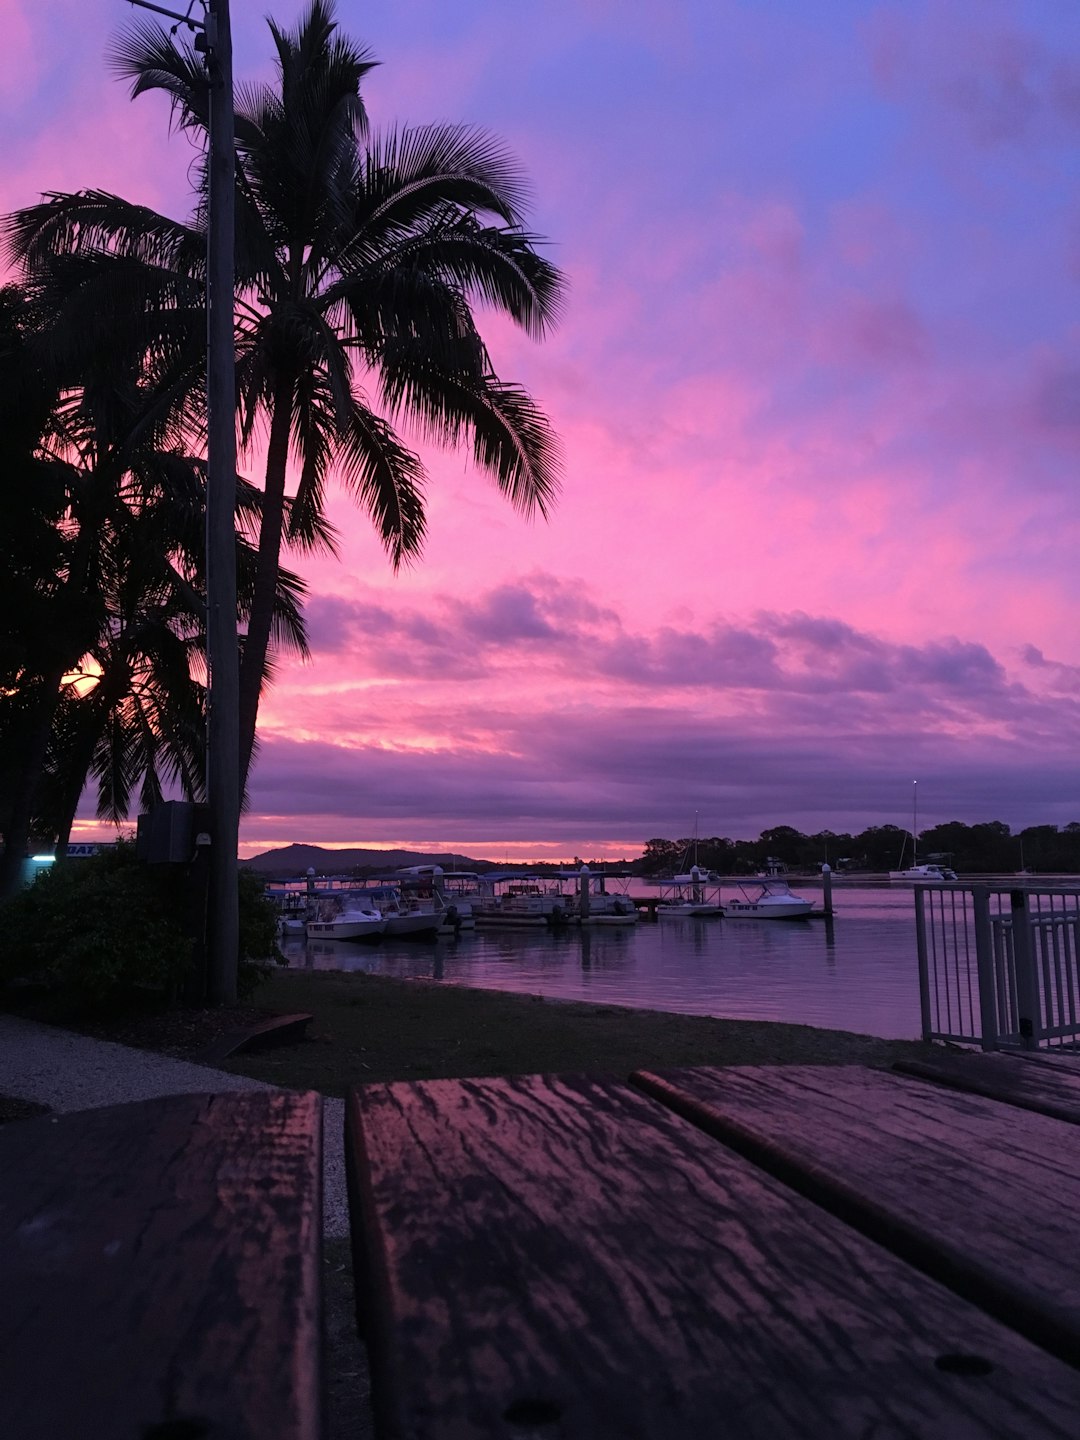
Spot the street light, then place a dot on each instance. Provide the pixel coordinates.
(214, 41)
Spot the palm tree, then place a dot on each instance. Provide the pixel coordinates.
(133, 713)
(359, 260)
(102, 577)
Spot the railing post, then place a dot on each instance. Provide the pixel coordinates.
(1027, 989)
(924, 972)
(984, 959)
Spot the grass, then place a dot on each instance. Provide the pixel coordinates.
(367, 1028)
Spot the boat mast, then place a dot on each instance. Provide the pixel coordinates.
(914, 823)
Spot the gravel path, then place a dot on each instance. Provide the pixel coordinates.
(74, 1072)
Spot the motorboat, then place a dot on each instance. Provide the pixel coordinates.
(767, 897)
(293, 907)
(347, 919)
(457, 890)
(407, 916)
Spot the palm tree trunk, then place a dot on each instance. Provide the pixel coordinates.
(264, 598)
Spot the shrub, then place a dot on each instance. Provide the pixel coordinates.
(111, 927)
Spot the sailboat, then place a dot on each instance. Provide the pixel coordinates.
(915, 871)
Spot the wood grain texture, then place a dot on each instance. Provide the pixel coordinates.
(1046, 1089)
(562, 1257)
(980, 1196)
(159, 1268)
(1065, 1060)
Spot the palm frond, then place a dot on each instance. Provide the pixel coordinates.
(510, 436)
(408, 174)
(94, 221)
(145, 54)
(387, 480)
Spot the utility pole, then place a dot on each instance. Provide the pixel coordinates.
(213, 39)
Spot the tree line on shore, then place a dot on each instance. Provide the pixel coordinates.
(989, 848)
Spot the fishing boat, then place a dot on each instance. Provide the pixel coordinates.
(346, 918)
(407, 915)
(767, 897)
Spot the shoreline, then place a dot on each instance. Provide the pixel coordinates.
(368, 1028)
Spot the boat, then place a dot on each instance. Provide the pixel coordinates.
(600, 906)
(406, 915)
(456, 890)
(526, 902)
(934, 874)
(767, 897)
(931, 874)
(687, 897)
(345, 918)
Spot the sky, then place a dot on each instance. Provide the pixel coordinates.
(817, 388)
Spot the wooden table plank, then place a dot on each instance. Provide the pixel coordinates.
(159, 1268)
(564, 1254)
(1067, 1061)
(1045, 1089)
(974, 1193)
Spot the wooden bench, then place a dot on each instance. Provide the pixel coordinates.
(569, 1257)
(1041, 1084)
(278, 1030)
(160, 1271)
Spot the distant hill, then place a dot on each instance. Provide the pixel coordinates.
(298, 859)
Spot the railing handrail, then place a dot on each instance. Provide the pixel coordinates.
(999, 963)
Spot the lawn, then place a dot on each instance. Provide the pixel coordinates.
(368, 1028)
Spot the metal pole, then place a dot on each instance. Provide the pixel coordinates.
(223, 696)
(1027, 985)
(924, 965)
(984, 960)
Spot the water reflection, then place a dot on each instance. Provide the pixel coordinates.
(857, 971)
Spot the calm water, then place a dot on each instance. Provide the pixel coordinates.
(858, 971)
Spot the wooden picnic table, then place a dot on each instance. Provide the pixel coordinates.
(773, 1252)
(159, 1271)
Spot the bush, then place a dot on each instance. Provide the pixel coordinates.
(110, 927)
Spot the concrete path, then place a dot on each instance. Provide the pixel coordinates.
(75, 1072)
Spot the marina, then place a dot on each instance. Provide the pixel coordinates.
(856, 971)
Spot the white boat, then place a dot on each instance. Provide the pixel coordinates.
(767, 897)
(599, 906)
(456, 890)
(350, 920)
(688, 897)
(526, 902)
(406, 916)
(610, 910)
(933, 874)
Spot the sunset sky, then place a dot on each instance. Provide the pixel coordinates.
(818, 393)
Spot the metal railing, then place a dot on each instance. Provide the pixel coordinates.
(999, 967)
